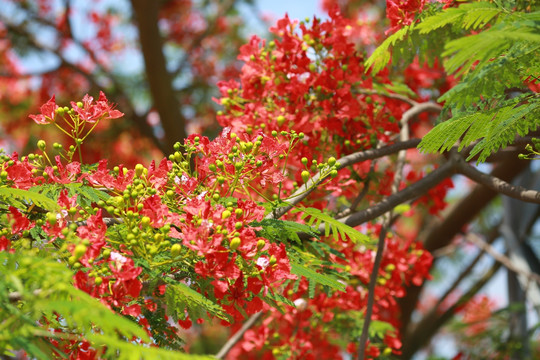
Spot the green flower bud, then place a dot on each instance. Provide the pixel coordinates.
(41, 144)
(139, 169)
(79, 251)
(235, 243)
(305, 176)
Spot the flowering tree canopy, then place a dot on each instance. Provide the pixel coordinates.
(308, 222)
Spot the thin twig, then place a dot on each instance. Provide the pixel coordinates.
(415, 190)
(498, 185)
(503, 259)
(345, 161)
(403, 136)
(388, 95)
(424, 333)
(238, 336)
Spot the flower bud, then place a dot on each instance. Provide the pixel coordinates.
(41, 144)
(139, 169)
(79, 251)
(305, 176)
(225, 214)
(235, 243)
(175, 250)
(332, 161)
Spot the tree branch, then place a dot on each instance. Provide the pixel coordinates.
(441, 233)
(498, 185)
(387, 223)
(433, 325)
(238, 336)
(415, 190)
(345, 161)
(159, 79)
(503, 259)
(421, 330)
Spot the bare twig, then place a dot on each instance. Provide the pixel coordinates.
(424, 333)
(403, 136)
(440, 234)
(431, 316)
(17, 296)
(503, 259)
(388, 95)
(498, 185)
(345, 161)
(238, 336)
(409, 193)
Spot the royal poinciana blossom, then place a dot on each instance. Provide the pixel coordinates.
(179, 241)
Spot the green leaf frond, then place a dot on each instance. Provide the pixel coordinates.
(314, 277)
(381, 56)
(86, 195)
(496, 127)
(122, 350)
(33, 302)
(179, 297)
(283, 230)
(315, 217)
(21, 199)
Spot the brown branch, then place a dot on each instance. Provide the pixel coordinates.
(388, 95)
(345, 161)
(237, 336)
(441, 233)
(415, 190)
(211, 26)
(431, 326)
(421, 328)
(371, 290)
(503, 259)
(387, 223)
(498, 185)
(160, 81)
(17, 296)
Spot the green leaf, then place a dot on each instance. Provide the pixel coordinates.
(315, 278)
(497, 128)
(30, 197)
(315, 217)
(381, 56)
(465, 16)
(179, 296)
(284, 230)
(86, 195)
(123, 350)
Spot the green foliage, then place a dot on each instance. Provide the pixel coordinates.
(382, 55)
(315, 217)
(33, 302)
(180, 297)
(315, 278)
(86, 195)
(496, 127)
(284, 231)
(20, 199)
(123, 350)
(491, 102)
(353, 321)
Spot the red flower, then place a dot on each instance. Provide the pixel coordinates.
(18, 222)
(402, 12)
(48, 112)
(101, 110)
(67, 174)
(4, 243)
